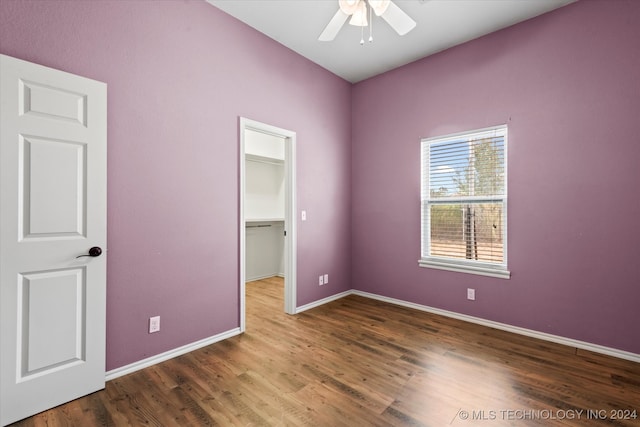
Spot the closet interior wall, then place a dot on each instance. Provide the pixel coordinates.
(264, 205)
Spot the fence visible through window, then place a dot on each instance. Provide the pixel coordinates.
(464, 197)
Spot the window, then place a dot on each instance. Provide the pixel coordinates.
(464, 202)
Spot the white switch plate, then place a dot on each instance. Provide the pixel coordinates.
(471, 294)
(326, 279)
(154, 324)
(321, 280)
(303, 215)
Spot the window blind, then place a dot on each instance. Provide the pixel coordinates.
(464, 197)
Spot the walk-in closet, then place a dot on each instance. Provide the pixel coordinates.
(264, 205)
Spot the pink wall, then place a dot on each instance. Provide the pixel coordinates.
(181, 72)
(568, 85)
(179, 75)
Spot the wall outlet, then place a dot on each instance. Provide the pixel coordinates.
(471, 294)
(303, 215)
(321, 280)
(326, 279)
(154, 324)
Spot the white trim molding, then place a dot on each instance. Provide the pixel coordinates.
(322, 301)
(290, 217)
(471, 269)
(621, 354)
(150, 361)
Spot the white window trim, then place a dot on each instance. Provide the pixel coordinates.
(445, 264)
(463, 266)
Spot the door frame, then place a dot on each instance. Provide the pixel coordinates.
(290, 242)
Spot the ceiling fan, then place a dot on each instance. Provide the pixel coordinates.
(357, 9)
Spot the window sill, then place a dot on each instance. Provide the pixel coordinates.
(470, 269)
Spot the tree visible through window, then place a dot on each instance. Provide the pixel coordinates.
(464, 200)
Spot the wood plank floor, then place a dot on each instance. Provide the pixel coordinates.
(360, 362)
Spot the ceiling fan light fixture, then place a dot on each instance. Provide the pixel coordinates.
(357, 10)
(348, 6)
(379, 6)
(359, 17)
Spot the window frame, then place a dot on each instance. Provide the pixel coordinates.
(456, 264)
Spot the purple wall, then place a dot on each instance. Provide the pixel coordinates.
(179, 74)
(568, 85)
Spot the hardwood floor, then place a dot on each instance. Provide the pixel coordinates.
(361, 362)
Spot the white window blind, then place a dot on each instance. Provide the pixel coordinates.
(464, 202)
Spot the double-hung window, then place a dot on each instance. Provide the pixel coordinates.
(464, 202)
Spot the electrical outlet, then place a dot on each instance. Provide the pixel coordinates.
(154, 324)
(326, 279)
(321, 280)
(303, 215)
(471, 294)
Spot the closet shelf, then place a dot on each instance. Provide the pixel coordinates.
(263, 219)
(263, 159)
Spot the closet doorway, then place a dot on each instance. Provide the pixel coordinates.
(267, 209)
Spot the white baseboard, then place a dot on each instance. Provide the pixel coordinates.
(509, 328)
(322, 301)
(141, 364)
(266, 276)
(145, 363)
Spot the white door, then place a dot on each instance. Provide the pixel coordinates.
(52, 209)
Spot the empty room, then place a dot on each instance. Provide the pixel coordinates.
(319, 212)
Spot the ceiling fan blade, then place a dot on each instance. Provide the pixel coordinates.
(399, 21)
(331, 30)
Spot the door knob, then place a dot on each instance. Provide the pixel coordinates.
(93, 252)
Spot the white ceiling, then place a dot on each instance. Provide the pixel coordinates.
(441, 24)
